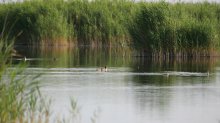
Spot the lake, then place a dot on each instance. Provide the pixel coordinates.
(134, 90)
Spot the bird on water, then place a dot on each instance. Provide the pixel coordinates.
(102, 69)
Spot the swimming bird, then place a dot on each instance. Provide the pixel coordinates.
(207, 74)
(25, 59)
(166, 74)
(102, 69)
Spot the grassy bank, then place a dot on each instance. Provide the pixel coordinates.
(154, 29)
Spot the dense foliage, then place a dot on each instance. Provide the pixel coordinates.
(185, 29)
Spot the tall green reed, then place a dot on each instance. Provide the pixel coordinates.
(152, 28)
(83, 22)
(20, 98)
(147, 28)
(164, 29)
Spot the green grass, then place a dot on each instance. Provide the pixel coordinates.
(190, 29)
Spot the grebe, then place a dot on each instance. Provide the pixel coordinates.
(102, 69)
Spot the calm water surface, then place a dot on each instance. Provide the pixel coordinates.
(134, 90)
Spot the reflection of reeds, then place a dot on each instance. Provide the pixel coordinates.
(201, 65)
(195, 64)
(66, 56)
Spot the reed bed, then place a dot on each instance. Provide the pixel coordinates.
(81, 22)
(153, 29)
(185, 30)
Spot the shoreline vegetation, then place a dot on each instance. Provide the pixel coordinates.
(20, 98)
(152, 29)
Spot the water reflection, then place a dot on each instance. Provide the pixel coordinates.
(135, 90)
(64, 56)
(201, 64)
(200, 69)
